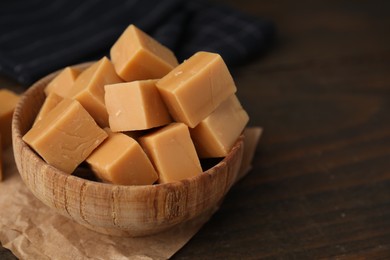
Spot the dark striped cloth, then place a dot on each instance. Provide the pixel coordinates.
(40, 36)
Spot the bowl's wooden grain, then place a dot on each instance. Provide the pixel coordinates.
(116, 209)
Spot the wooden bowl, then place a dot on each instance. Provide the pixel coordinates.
(116, 209)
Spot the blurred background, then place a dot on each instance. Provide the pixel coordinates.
(318, 81)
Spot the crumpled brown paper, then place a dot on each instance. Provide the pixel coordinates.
(31, 230)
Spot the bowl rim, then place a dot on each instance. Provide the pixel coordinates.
(17, 137)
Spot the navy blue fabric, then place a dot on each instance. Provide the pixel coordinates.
(40, 36)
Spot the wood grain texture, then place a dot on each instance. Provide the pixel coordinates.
(117, 209)
(320, 183)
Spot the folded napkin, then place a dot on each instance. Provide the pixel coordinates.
(40, 36)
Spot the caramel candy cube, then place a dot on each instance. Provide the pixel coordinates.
(88, 89)
(66, 136)
(172, 153)
(135, 105)
(8, 101)
(121, 160)
(138, 56)
(63, 82)
(51, 101)
(196, 87)
(215, 135)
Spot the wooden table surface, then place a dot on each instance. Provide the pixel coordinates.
(320, 185)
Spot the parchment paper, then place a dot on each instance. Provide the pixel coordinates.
(31, 230)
